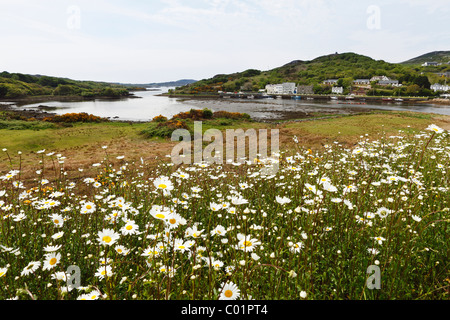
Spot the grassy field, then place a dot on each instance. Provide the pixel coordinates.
(350, 192)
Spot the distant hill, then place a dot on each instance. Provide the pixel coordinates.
(435, 56)
(18, 85)
(344, 67)
(178, 83)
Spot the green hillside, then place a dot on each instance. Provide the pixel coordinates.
(436, 56)
(347, 67)
(17, 85)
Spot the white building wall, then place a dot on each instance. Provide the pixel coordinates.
(337, 90)
(440, 87)
(285, 88)
(289, 88)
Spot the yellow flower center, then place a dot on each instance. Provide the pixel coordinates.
(56, 221)
(89, 207)
(228, 293)
(107, 239)
(129, 228)
(173, 221)
(52, 262)
(162, 186)
(2, 274)
(247, 243)
(160, 216)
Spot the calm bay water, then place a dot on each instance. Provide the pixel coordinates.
(150, 105)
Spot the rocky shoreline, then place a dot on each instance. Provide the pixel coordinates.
(25, 113)
(444, 102)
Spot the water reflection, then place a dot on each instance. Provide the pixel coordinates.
(149, 104)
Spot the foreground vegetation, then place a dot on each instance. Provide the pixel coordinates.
(208, 231)
(162, 127)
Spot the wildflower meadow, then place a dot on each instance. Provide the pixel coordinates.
(311, 230)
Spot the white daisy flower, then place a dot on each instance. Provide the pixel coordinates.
(229, 291)
(107, 237)
(30, 268)
(51, 260)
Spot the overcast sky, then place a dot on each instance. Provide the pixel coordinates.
(142, 41)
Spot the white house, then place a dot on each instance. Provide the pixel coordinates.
(284, 88)
(363, 82)
(331, 81)
(431, 64)
(337, 90)
(274, 89)
(393, 83)
(440, 87)
(380, 78)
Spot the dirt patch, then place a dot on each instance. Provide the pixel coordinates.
(83, 157)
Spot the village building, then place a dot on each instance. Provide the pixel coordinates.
(431, 64)
(274, 89)
(284, 88)
(305, 90)
(331, 82)
(379, 78)
(440, 87)
(337, 90)
(362, 82)
(289, 88)
(393, 83)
